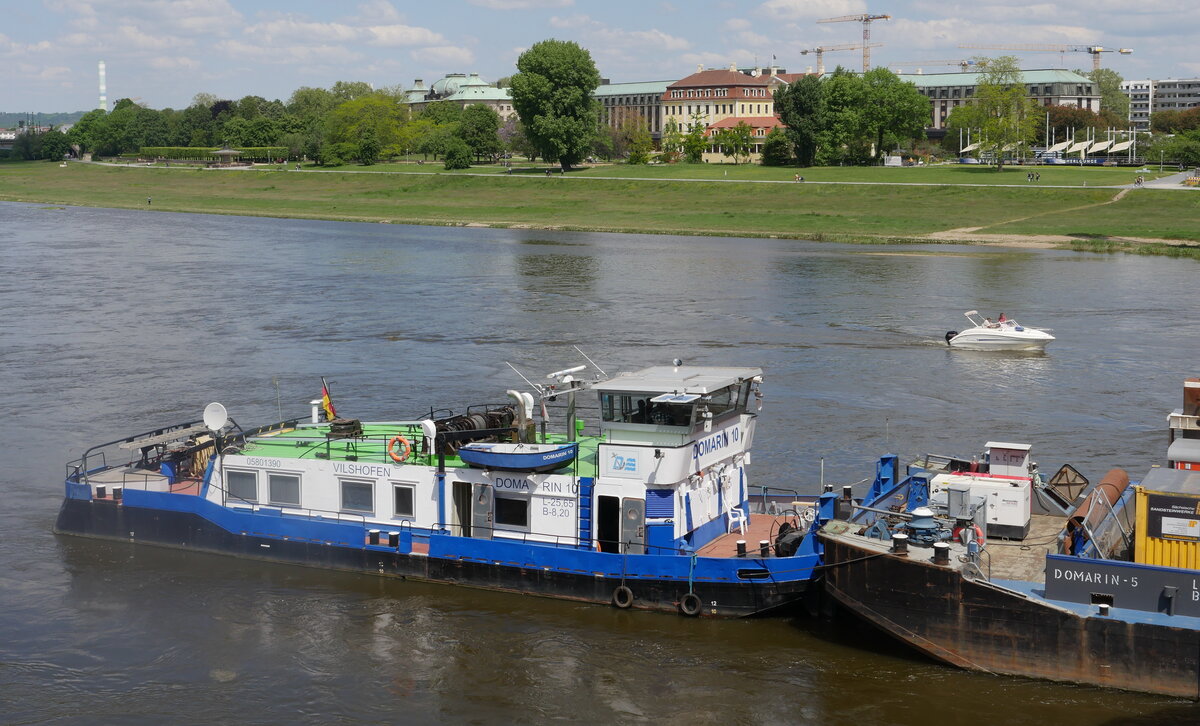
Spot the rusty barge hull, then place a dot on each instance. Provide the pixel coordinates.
(980, 626)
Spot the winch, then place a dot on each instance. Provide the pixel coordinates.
(923, 530)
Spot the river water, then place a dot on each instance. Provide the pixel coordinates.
(119, 321)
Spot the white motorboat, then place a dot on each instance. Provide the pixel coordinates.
(1003, 334)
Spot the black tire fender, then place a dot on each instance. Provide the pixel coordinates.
(690, 605)
(622, 597)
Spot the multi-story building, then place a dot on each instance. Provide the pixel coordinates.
(1148, 96)
(621, 103)
(1050, 87)
(724, 98)
(1176, 94)
(1141, 102)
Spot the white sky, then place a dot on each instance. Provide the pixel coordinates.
(163, 52)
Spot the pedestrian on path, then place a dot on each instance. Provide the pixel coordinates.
(147, 201)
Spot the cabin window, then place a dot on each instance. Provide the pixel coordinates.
(284, 489)
(512, 512)
(639, 409)
(242, 485)
(403, 500)
(358, 496)
(721, 402)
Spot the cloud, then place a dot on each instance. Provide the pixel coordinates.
(573, 21)
(521, 4)
(738, 24)
(445, 55)
(292, 30)
(810, 9)
(44, 73)
(173, 63)
(288, 54)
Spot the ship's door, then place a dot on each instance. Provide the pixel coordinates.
(608, 523)
(481, 512)
(633, 526)
(460, 515)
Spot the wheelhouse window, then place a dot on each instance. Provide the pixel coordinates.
(283, 489)
(358, 496)
(403, 500)
(242, 485)
(512, 512)
(639, 408)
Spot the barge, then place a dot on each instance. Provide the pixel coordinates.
(652, 511)
(1103, 592)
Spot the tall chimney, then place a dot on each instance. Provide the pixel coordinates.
(103, 90)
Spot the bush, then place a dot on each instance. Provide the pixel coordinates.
(458, 154)
(777, 149)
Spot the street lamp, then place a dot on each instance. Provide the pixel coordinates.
(1160, 160)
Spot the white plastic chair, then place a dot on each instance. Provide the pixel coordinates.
(737, 520)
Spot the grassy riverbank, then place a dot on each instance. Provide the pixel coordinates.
(864, 207)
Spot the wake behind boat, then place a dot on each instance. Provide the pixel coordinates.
(650, 510)
(1003, 334)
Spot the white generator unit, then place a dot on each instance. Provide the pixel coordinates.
(1003, 481)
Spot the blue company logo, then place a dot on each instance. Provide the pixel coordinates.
(625, 463)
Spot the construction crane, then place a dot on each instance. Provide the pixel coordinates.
(821, 50)
(963, 64)
(865, 19)
(1094, 50)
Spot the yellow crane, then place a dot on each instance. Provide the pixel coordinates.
(964, 64)
(821, 50)
(1094, 50)
(865, 19)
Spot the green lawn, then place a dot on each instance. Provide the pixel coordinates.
(848, 212)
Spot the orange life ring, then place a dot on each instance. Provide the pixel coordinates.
(391, 450)
(956, 534)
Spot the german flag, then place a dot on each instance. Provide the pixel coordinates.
(326, 401)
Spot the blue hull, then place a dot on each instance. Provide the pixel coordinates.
(726, 587)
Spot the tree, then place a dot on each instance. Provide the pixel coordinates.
(801, 106)
(350, 90)
(443, 112)
(734, 142)
(479, 128)
(1112, 98)
(843, 136)
(895, 110)
(83, 133)
(458, 154)
(1170, 121)
(640, 144)
(695, 142)
(777, 149)
(349, 120)
(1007, 120)
(309, 104)
(672, 141)
(552, 93)
(54, 145)
(368, 147)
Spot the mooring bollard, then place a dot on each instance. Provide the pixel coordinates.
(900, 544)
(741, 548)
(941, 553)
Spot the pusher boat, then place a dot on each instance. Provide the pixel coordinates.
(650, 511)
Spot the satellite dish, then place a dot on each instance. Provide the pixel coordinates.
(215, 416)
